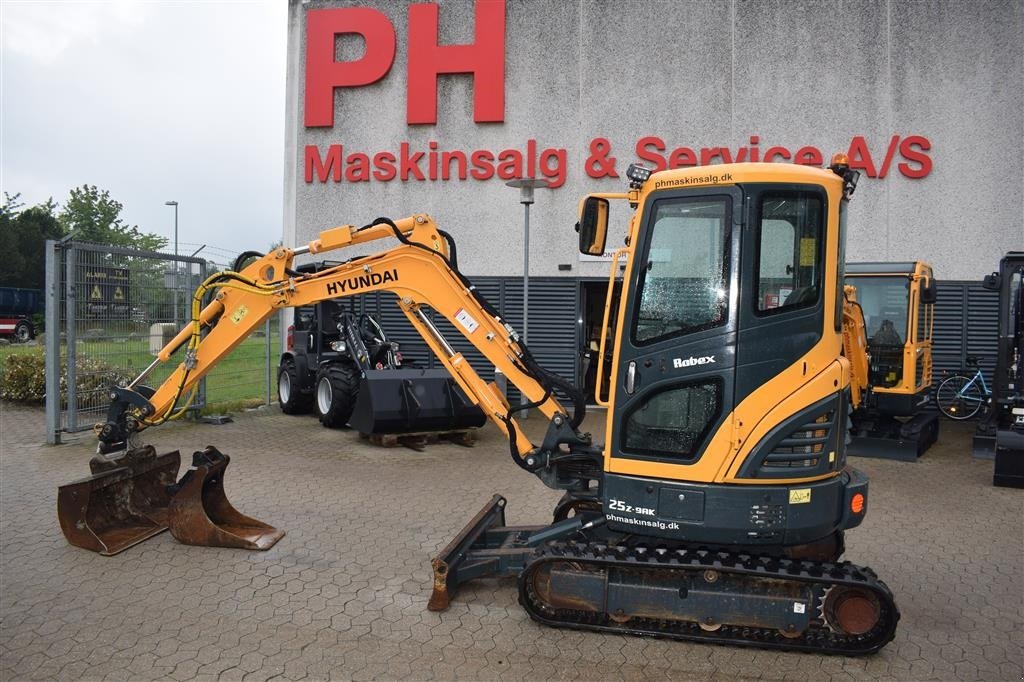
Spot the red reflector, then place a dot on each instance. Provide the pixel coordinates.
(857, 503)
(290, 338)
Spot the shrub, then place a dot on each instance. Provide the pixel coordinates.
(23, 379)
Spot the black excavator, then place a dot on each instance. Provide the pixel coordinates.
(1001, 431)
(716, 506)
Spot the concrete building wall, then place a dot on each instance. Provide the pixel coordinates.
(697, 74)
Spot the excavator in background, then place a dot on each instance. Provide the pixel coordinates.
(715, 509)
(1001, 432)
(893, 306)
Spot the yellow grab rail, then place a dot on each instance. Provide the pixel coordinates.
(604, 327)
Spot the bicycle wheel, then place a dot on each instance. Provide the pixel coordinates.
(959, 397)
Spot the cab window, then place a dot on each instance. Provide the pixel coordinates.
(683, 283)
(789, 251)
(304, 318)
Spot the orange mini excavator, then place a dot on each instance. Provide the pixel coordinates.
(715, 508)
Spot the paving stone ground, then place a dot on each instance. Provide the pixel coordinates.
(344, 594)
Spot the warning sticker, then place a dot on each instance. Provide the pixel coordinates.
(118, 294)
(800, 496)
(240, 314)
(799, 607)
(466, 320)
(97, 295)
(808, 251)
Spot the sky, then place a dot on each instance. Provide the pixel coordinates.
(153, 101)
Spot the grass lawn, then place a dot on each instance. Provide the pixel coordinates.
(239, 380)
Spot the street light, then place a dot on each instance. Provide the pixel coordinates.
(526, 187)
(175, 205)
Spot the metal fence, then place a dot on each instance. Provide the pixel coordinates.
(109, 310)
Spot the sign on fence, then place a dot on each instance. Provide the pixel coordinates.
(109, 291)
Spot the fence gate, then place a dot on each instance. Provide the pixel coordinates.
(108, 311)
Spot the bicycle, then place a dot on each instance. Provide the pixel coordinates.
(962, 395)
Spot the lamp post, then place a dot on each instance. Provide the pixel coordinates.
(526, 187)
(175, 205)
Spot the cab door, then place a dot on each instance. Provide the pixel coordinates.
(674, 382)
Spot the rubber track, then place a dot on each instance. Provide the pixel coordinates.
(817, 638)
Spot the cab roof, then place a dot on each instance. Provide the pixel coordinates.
(907, 268)
(736, 173)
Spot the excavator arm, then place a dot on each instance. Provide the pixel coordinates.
(855, 345)
(421, 271)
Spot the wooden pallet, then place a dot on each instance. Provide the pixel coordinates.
(419, 441)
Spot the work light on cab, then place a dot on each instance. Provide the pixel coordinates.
(637, 175)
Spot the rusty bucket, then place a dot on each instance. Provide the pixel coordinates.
(200, 514)
(123, 502)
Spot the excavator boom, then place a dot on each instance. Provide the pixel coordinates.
(419, 272)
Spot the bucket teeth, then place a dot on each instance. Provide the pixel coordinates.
(200, 513)
(123, 502)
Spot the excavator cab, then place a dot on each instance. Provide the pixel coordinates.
(723, 472)
(897, 302)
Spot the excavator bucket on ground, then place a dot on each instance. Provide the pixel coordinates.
(200, 513)
(133, 496)
(122, 503)
(404, 401)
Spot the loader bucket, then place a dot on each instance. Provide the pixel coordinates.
(124, 502)
(200, 514)
(397, 401)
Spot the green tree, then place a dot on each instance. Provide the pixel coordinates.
(91, 215)
(23, 235)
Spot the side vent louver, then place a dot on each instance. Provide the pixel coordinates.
(803, 448)
(809, 443)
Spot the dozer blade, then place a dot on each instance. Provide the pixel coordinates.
(124, 502)
(412, 401)
(200, 514)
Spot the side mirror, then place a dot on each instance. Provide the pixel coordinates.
(929, 292)
(593, 225)
(992, 282)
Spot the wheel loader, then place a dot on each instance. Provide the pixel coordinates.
(894, 304)
(715, 508)
(343, 367)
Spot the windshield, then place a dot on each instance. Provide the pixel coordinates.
(884, 302)
(683, 283)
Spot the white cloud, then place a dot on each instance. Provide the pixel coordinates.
(45, 30)
(152, 101)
